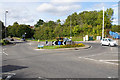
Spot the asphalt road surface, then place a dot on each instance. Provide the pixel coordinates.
(26, 61)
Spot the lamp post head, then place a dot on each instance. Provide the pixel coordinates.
(6, 11)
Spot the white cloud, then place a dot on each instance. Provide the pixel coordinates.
(115, 21)
(115, 5)
(85, 0)
(115, 11)
(58, 10)
(21, 14)
(59, 0)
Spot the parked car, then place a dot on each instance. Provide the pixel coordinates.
(11, 39)
(66, 39)
(22, 39)
(109, 42)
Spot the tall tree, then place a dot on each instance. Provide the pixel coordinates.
(17, 30)
(2, 30)
(39, 23)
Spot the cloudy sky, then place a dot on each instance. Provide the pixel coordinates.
(30, 11)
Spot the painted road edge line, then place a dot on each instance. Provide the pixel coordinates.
(98, 60)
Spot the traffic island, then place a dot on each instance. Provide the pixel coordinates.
(65, 47)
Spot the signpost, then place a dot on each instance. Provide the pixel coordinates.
(103, 25)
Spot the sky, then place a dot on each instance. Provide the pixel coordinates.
(30, 11)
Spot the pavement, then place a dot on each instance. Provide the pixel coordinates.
(26, 62)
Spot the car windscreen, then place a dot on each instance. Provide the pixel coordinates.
(110, 40)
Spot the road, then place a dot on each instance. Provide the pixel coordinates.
(27, 62)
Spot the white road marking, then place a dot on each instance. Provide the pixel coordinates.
(39, 77)
(9, 75)
(5, 53)
(88, 58)
(90, 46)
(109, 60)
(94, 55)
(29, 43)
(98, 60)
(39, 49)
(111, 48)
(109, 77)
(4, 48)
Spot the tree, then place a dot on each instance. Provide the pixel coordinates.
(115, 28)
(39, 23)
(2, 30)
(83, 23)
(76, 30)
(17, 30)
(58, 21)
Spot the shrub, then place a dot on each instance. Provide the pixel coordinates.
(4, 42)
(73, 45)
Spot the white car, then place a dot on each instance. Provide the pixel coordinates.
(109, 42)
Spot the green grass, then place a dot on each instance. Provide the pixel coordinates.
(42, 40)
(17, 38)
(73, 39)
(64, 46)
(51, 47)
(4, 42)
(77, 38)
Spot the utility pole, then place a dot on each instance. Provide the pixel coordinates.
(103, 25)
(70, 27)
(5, 22)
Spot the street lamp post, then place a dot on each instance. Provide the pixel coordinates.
(5, 22)
(70, 27)
(103, 25)
(25, 33)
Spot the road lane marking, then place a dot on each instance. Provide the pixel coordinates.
(29, 43)
(98, 60)
(88, 58)
(5, 53)
(90, 46)
(109, 77)
(109, 60)
(97, 54)
(94, 55)
(39, 49)
(4, 48)
(9, 75)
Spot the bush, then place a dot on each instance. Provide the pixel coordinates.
(4, 42)
(73, 45)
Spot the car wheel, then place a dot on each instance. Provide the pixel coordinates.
(109, 45)
(101, 44)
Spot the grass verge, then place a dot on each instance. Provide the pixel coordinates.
(64, 46)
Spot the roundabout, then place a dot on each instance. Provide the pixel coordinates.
(99, 60)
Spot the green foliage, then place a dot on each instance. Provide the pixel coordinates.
(78, 38)
(70, 46)
(84, 23)
(116, 28)
(64, 46)
(51, 47)
(39, 23)
(4, 42)
(17, 30)
(2, 30)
